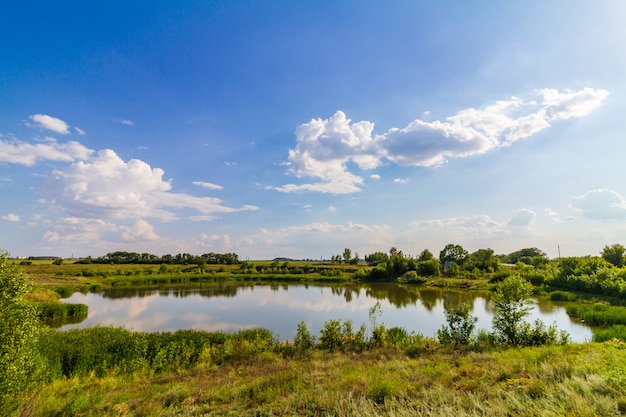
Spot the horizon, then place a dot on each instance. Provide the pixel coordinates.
(280, 129)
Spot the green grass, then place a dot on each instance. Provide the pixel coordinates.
(598, 314)
(576, 380)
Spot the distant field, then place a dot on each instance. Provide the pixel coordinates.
(95, 276)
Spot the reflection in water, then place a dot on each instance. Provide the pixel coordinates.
(280, 307)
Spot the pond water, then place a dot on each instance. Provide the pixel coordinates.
(280, 307)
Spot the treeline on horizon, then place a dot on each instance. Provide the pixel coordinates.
(122, 257)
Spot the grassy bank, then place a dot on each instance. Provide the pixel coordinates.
(574, 380)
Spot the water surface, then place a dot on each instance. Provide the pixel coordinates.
(280, 307)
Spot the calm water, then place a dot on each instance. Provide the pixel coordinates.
(280, 308)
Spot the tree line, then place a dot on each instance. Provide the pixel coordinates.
(121, 257)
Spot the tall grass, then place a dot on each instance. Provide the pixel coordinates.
(576, 380)
(598, 314)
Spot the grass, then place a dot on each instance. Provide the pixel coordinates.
(598, 313)
(577, 380)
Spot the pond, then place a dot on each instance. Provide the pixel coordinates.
(280, 307)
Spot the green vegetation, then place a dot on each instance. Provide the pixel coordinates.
(346, 370)
(18, 332)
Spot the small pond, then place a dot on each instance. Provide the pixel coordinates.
(280, 307)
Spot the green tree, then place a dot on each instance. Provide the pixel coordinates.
(483, 259)
(347, 255)
(376, 258)
(425, 255)
(525, 255)
(453, 253)
(19, 329)
(460, 325)
(614, 254)
(511, 305)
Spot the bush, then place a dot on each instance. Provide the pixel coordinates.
(303, 340)
(562, 296)
(460, 325)
(19, 330)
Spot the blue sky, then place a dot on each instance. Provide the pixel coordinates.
(296, 129)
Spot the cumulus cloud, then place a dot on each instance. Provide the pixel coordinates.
(23, 153)
(208, 185)
(107, 187)
(127, 122)
(43, 121)
(523, 218)
(325, 148)
(481, 225)
(601, 204)
(141, 230)
(11, 217)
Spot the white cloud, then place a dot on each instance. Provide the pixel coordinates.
(127, 122)
(482, 225)
(141, 230)
(332, 208)
(523, 218)
(202, 218)
(601, 204)
(104, 193)
(375, 176)
(400, 180)
(208, 185)
(553, 215)
(11, 217)
(79, 131)
(18, 152)
(43, 121)
(572, 103)
(325, 147)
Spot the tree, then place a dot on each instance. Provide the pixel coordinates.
(483, 259)
(614, 254)
(19, 329)
(511, 305)
(347, 255)
(460, 325)
(525, 255)
(425, 255)
(376, 258)
(453, 253)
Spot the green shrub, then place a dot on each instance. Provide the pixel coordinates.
(19, 330)
(303, 340)
(460, 325)
(562, 296)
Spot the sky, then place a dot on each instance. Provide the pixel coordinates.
(297, 129)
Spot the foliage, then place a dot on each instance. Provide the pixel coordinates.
(598, 314)
(19, 330)
(460, 325)
(511, 305)
(425, 255)
(303, 340)
(528, 256)
(53, 310)
(452, 253)
(483, 260)
(614, 254)
(376, 258)
(617, 331)
(562, 296)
